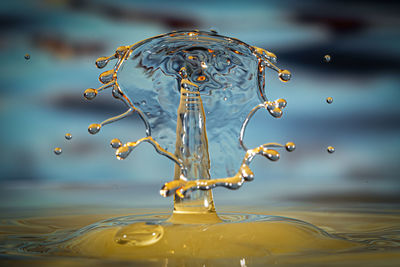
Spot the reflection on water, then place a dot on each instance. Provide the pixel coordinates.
(334, 238)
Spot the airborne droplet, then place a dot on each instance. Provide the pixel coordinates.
(57, 151)
(327, 58)
(90, 93)
(116, 143)
(139, 234)
(330, 149)
(329, 100)
(285, 75)
(27, 56)
(290, 146)
(94, 128)
(68, 136)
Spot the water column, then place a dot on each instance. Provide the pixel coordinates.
(192, 149)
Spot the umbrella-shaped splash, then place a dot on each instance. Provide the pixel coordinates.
(195, 92)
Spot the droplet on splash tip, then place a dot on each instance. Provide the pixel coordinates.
(285, 75)
(90, 93)
(94, 128)
(139, 234)
(330, 149)
(122, 152)
(68, 136)
(329, 100)
(106, 76)
(101, 62)
(116, 143)
(276, 112)
(327, 58)
(271, 154)
(27, 56)
(57, 151)
(290, 146)
(281, 103)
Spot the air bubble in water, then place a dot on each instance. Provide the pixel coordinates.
(143, 102)
(139, 234)
(68, 136)
(330, 149)
(90, 93)
(285, 75)
(57, 151)
(327, 58)
(116, 143)
(27, 56)
(329, 100)
(94, 128)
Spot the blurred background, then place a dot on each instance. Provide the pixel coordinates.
(41, 100)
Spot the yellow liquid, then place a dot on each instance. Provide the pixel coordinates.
(357, 239)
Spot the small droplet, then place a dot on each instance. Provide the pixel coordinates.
(27, 56)
(57, 151)
(94, 128)
(90, 93)
(271, 154)
(106, 76)
(139, 234)
(285, 75)
(101, 62)
(225, 98)
(143, 103)
(122, 152)
(281, 103)
(276, 112)
(68, 136)
(330, 149)
(290, 146)
(327, 58)
(329, 100)
(116, 143)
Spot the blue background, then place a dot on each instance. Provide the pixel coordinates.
(41, 100)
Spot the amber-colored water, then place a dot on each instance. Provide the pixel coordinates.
(330, 238)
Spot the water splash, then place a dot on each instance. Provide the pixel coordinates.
(166, 78)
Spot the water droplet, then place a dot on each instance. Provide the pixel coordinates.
(329, 100)
(327, 58)
(94, 128)
(101, 62)
(290, 146)
(122, 152)
(330, 149)
(106, 76)
(27, 56)
(276, 112)
(143, 103)
(281, 103)
(284, 75)
(270, 154)
(68, 136)
(116, 143)
(57, 151)
(139, 234)
(121, 51)
(225, 98)
(90, 93)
